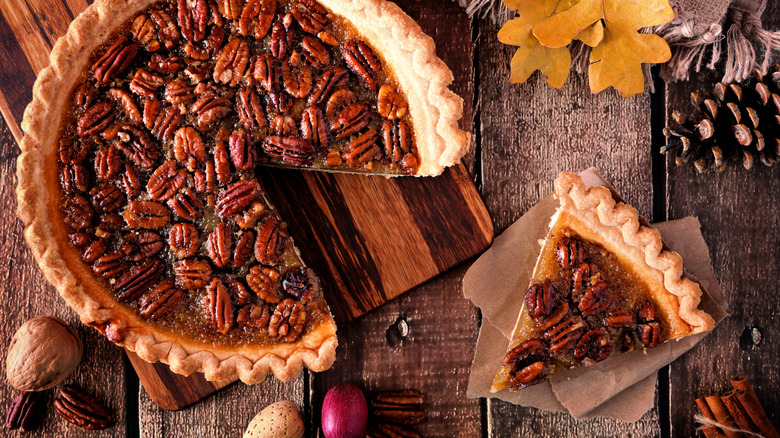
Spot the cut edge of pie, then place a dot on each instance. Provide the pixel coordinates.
(590, 210)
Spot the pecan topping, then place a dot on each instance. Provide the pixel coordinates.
(619, 318)
(143, 31)
(564, 335)
(585, 276)
(183, 240)
(210, 109)
(230, 9)
(250, 216)
(77, 213)
(162, 123)
(84, 96)
(593, 347)
(115, 60)
(160, 300)
(110, 265)
(528, 363)
(291, 150)
(350, 120)
(26, 411)
(339, 100)
(165, 65)
(94, 250)
(570, 252)
(297, 81)
(106, 197)
(650, 334)
(131, 181)
(142, 245)
(169, 33)
(264, 281)
(244, 246)
(166, 181)
(301, 284)
(219, 308)
(79, 408)
(189, 148)
(199, 73)
(179, 92)
(138, 147)
(186, 204)
(540, 299)
(314, 129)
(362, 149)
(390, 103)
(74, 178)
(107, 163)
(126, 103)
(249, 109)
(256, 18)
(110, 223)
(146, 214)
(138, 280)
(237, 197)
(192, 274)
(222, 162)
(95, 119)
(238, 292)
(327, 84)
(397, 139)
(287, 321)
(362, 61)
(271, 239)
(264, 72)
(281, 39)
(284, 126)
(647, 312)
(232, 62)
(255, 315)
(193, 18)
(596, 299)
(145, 84)
(241, 151)
(219, 244)
(315, 52)
(311, 16)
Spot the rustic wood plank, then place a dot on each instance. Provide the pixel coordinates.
(529, 134)
(738, 210)
(433, 357)
(27, 294)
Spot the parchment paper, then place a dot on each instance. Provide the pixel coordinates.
(621, 387)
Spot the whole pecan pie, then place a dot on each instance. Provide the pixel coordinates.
(603, 285)
(137, 179)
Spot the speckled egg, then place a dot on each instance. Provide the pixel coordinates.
(279, 420)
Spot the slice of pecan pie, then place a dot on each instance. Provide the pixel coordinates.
(137, 179)
(603, 285)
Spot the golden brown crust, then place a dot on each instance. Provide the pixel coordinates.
(37, 194)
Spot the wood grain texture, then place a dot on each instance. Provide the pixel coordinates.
(739, 212)
(529, 134)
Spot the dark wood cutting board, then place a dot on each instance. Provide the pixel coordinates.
(369, 238)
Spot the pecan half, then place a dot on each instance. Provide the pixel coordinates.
(585, 276)
(219, 245)
(244, 248)
(237, 197)
(311, 16)
(255, 315)
(314, 129)
(362, 149)
(166, 180)
(95, 119)
(74, 178)
(241, 150)
(362, 61)
(264, 281)
(146, 214)
(238, 292)
(77, 213)
(298, 80)
(84, 96)
(193, 18)
(647, 312)
(126, 103)
(540, 299)
(596, 299)
(210, 109)
(291, 150)
(570, 252)
(110, 265)
(350, 120)
(264, 72)
(315, 52)
(199, 73)
(192, 274)
(397, 139)
(79, 240)
(179, 92)
(107, 163)
(138, 147)
(333, 79)
(650, 334)
(164, 122)
(339, 100)
(250, 216)
(115, 60)
(186, 204)
(279, 102)
(110, 223)
(106, 197)
(564, 335)
(169, 33)
(144, 32)
(165, 64)
(218, 307)
(626, 342)
(231, 62)
(620, 318)
(528, 363)
(138, 280)
(301, 283)
(249, 109)
(26, 411)
(230, 9)
(256, 18)
(189, 148)
(145, 83)
(160, 300)
(81, 409)
(593, 347)
(222, 163)
(391, 104)
(131, 181)
(183, 240)
(284, 126)
(141, 245)
(271, 240)
(281, 38)
(288, 321)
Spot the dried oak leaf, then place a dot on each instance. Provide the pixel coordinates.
(618, 57)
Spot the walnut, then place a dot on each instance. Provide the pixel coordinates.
(32, 364)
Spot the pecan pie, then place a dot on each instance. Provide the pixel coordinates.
(137, 179)
(603, 285)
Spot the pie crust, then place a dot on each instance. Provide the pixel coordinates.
(435, 111)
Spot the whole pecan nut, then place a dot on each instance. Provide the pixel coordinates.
(218, 307)
(115, 60)
(146, 214)
(160, 300)
(138, 280)
(26, 411)
(288, 321)
(264, 281)
(81, 409)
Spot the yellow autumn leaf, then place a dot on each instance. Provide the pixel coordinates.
(530, 55)
(617, 61)
(592, 35)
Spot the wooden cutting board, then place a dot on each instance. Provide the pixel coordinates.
(370, 238)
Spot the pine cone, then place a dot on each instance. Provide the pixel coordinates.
(736, 120)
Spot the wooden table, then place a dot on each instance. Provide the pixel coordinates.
(524, 135)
